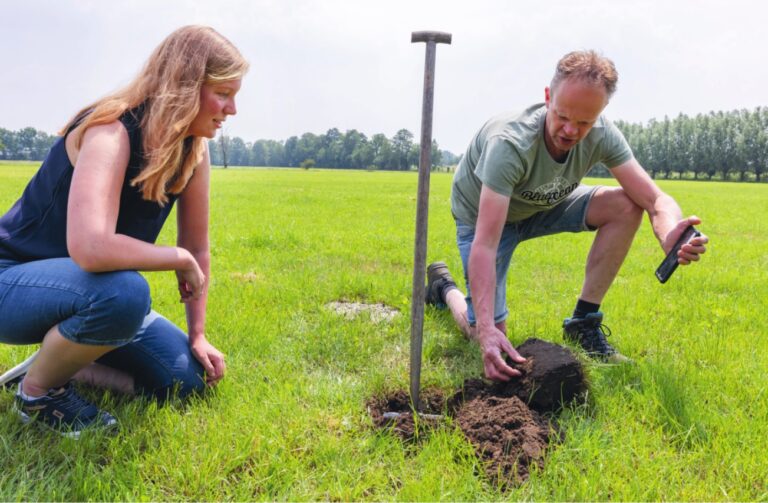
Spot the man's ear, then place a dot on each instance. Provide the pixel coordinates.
(547, 96)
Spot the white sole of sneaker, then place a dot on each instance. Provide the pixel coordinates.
(75, 434)
(18, 370)
(26, 419)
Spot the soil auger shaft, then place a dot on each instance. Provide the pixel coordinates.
(432, 38)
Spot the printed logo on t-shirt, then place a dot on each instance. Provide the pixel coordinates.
(550, 193)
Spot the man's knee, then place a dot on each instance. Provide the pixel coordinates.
(628, 209)
(614, 205)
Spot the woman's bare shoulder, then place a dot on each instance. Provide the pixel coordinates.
(112, 135)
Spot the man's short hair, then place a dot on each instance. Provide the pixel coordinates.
(587, 66)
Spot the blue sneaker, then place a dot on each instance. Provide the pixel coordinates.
(63, 411)
(589, 334)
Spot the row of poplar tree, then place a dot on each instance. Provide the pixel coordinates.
(722, 145)
(725, 145)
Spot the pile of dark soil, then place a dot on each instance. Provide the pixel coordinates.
(552, 377)
(509, 424)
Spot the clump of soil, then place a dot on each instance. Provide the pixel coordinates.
(507, 435)
(552, 377)
(350, 310)
(507, 423)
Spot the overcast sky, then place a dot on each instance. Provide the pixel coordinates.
(351, 65)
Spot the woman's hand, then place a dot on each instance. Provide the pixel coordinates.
(210, 358)
(191, 279)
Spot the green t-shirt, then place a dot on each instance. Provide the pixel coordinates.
(509, 155)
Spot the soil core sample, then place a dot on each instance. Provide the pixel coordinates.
(552, 376)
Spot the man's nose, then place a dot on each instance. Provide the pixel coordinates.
(571, 129)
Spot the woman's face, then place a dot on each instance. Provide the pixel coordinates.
(217, 101)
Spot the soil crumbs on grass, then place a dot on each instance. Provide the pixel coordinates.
(507, 423)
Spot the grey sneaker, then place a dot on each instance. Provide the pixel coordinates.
(439, 282)
(63, 411)
(14, 376)
(590, 333)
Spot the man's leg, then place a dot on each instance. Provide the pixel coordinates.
(442, 292)
(617, 219)
(457, 303)
(442, 289)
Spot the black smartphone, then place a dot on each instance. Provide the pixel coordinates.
(669, 264)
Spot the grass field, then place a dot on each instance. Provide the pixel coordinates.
(689, 421)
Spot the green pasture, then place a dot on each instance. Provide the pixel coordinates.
(689, 421)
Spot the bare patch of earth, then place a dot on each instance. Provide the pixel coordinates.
(350, 310)
(248, 277)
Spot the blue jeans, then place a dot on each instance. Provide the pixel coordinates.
(568, 216)
(105, 309)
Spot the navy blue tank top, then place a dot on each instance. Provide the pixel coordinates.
(35, 227)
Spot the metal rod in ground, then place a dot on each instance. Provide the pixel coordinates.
(422, 207)
(390, 416)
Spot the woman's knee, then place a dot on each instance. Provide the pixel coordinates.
(131, 296)
(185, 379)
(112, 312)
(160, 360)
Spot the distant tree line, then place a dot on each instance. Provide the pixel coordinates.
(26, 144)
(334, 149)
(726, 145)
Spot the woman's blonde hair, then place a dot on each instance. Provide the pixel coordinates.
(169, 89)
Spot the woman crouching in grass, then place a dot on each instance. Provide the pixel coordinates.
(71, 246)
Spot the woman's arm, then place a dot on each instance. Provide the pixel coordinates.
(93, 207)
(192, 221)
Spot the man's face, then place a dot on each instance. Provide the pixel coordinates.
(573, 107)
